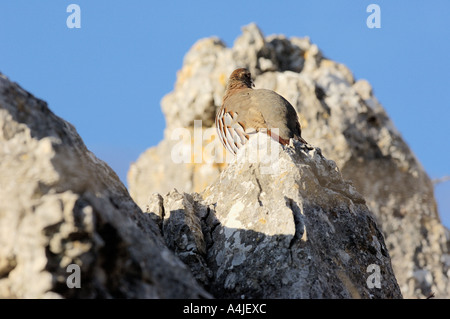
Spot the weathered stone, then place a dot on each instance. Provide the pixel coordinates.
(61, 206)
(300, 231)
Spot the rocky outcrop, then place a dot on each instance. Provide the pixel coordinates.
(288, 228)
(64, 212)
(338, 114)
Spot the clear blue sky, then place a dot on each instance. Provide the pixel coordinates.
(108, 77)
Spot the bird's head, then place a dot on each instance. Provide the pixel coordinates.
(240, 78)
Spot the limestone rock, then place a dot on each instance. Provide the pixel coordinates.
(339, 114)
(62, 206)
(300, 231)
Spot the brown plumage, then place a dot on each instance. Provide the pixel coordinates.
(246, 111)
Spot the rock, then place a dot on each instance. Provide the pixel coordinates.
(63, 208)
(339, 114)
(300, 231)
(182, 230)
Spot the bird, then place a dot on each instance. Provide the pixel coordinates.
(246, 111)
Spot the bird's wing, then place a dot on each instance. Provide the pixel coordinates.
(231, 129)
(237, 120)
(278, 113)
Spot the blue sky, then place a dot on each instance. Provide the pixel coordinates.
(108, 77)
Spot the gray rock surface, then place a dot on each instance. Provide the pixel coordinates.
(60, 205)
(300, 231)
(339, 114)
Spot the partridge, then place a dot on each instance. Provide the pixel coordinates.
(246, 111)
